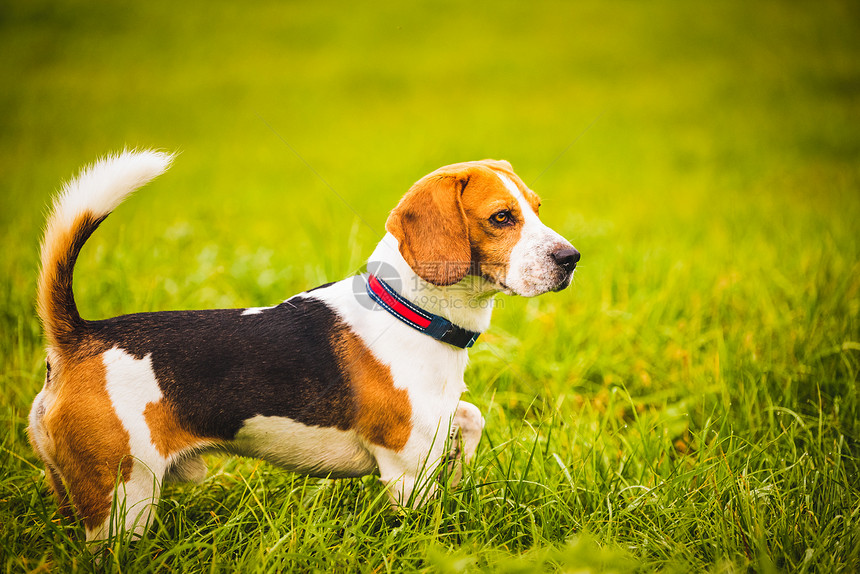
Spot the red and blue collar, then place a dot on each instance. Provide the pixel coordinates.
(436, 326)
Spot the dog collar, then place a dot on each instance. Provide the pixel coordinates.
(436, 326)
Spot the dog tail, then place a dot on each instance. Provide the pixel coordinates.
(77, 211)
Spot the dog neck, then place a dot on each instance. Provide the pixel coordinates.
(468, 304)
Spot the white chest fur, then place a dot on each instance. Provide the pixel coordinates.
(431, 372)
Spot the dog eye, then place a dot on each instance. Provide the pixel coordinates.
(501, 218)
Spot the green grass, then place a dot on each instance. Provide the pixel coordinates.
(690, 404)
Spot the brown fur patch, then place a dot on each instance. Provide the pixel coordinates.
(60, 248)
(383, 413)
(442, 223)
(491, 245)
(89, 443)
(167, 434)
(431, 230)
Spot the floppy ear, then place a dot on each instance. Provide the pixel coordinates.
(430, 226)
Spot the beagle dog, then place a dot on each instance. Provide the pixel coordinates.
(359, 376)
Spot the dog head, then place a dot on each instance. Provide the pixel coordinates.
(479, 218)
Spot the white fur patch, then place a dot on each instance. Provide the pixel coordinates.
(102, 186)
(532, 269)
(131, 385)
(42, 443)
(317, 451)
(256, 310)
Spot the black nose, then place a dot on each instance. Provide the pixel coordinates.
(567, 258)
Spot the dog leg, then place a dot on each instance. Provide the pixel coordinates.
(42, 445)
(408, 479)
(132, 505)
(410, 475)
(187, 469)
(64, 505)
(466, 428)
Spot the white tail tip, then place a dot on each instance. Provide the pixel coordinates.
(102, 186)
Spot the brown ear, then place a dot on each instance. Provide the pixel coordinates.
(430, 226)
